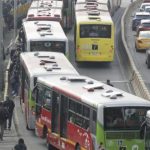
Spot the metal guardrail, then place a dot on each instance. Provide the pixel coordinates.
(137, 82)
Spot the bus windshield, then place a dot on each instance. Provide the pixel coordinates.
(124, 118)
(56, 46)
(95, 31)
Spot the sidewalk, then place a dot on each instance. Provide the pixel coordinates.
(9, 140)
(10, 136)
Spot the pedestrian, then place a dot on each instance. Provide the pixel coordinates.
(109, 83)
(3, 117)
(20, 145)
(9, 105)
(14, 80)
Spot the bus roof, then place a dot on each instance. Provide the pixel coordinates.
(46, 4)
(93, 19)
(92, 13)
(46, 63)
(86, 1)
(92, 92)
(53, 14)
(43, 31)
(92, 5)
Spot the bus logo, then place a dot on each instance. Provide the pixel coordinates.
(94, 47)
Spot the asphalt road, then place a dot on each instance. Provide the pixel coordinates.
(138, 57)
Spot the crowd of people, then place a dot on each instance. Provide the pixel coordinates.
(7, 13)
(7, 106)
(14, 69)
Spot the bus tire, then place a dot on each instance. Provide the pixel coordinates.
(77, 147)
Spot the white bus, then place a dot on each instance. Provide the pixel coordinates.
(82, 113)
(44, 36)
(45, 10)
(34, 65)
(46, 4)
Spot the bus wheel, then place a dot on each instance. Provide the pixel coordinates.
(77, 147)
(44, 132)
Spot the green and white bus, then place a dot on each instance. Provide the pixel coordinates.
(34, 65)
(85, 114)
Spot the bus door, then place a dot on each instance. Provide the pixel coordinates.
(55, 112)
(63, 116)
(37, 97)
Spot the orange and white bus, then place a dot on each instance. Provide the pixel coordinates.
(94, 33)
(80, 113)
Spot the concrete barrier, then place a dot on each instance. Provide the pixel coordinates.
(136, 80)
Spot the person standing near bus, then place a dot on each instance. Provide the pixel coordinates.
(20, 145)
(3, 117)
(9, 104)
(109, 83)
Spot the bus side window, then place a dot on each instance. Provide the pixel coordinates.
(34, 93)
(47, 100)
(93, 127)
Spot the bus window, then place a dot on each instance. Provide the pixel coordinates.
(47, 104)
(55, 111)
(63, 116)
(39, 97)
(65, 3)
(86, 112)
(71, 117)
(95, 31)
(58, 46)
(94, 118)
(34, 93)
(134, 117)
(124, 118)
(113, 118)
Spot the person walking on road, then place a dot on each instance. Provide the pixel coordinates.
(3, 117)
(109, 83)
(21, 145)
(9, 105)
